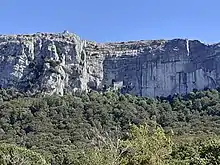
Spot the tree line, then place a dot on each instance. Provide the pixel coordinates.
(109, 128)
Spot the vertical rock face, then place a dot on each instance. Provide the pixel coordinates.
(59, 63)
(50, 63)
(162, 68)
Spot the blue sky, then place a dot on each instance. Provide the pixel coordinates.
(114, 20)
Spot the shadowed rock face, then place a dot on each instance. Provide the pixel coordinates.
(58, 63)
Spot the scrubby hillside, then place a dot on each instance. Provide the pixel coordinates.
(82, 128)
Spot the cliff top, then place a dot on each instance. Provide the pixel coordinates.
(109, 48)
(70, 36)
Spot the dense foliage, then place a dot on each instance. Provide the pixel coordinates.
(110, 128)
(10, 154)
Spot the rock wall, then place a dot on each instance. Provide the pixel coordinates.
(60, 63)
(162, 68)
(50, 63)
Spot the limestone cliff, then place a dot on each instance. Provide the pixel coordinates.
(59, 63)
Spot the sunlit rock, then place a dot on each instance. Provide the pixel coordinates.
(60, 63)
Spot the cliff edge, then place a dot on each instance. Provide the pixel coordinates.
(61, 63)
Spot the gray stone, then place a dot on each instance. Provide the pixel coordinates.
(58, 63)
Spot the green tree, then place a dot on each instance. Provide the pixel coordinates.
(13, 155)
(146, 146)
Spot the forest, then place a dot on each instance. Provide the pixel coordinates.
(109, 128)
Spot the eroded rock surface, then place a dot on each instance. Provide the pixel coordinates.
(59, 63)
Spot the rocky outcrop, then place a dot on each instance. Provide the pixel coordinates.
(50, 63)
(60, 63)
